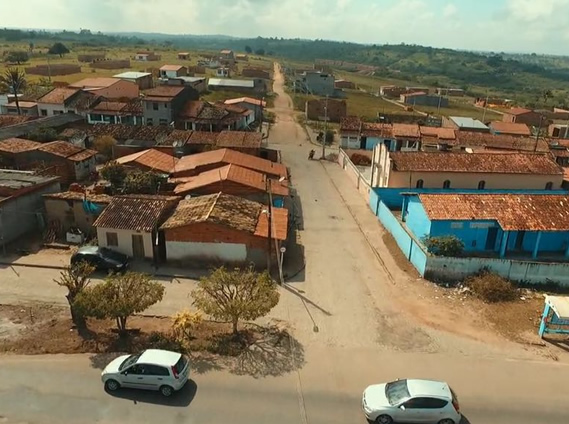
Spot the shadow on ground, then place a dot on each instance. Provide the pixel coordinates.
(181, 398)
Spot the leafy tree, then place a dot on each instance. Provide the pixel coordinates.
(120, 297)
(17, 56)
(142, 183)
(75, 279)
(115, 173)
(43, 135)
(31, 46)
(104, 145)
(444, 245)
(58, 48)
(14, 81)
(248, 49)
(260, 52)
(236, 295)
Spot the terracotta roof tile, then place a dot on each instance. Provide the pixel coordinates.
(58, 95)
(152, 159)
(67, 150)
(229, 211)
(7, 120)
(18, 145)
(97, 82)
(177, 136)
(23, 104)
(232, 173)
(227, 156)
(438, 132)
(239, 139)
(499, 141)
(171, 67)
(109, 107)
(514, 212)
(406, 130)
(203, 137)
(164, 91)
(518, 111)
(513, 128)
(136, 212)
(513, 163)
(74, 195)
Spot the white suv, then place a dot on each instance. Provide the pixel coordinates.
(152, 369)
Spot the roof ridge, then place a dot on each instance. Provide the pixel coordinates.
(217, 196)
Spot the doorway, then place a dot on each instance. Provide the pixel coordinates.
(137, 246)
(363, 142)
(491, 238)
(520, 240)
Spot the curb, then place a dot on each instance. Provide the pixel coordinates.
(8, 264)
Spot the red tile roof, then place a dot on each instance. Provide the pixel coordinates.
(18, 145)
(23, 104)
(67, 150)
(499, 141)
(136, 212)
(239, 139)
(171, 67)
(109, 107)
(77, 196)
(163, 91)
(58, 95)
(518, 111)
(152, 159)
(406, 130)
(227, 156)
(229, 211)
(234, 174)
(513, 128)
(438, 132)
(514, 212)
(203, 137)
(97, 82)
(513, 163)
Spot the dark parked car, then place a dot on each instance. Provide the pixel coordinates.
(101, 258)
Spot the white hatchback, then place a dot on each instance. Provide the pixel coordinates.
(411, 401)
(153, 369)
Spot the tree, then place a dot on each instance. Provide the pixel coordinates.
(120, 297)
(14, 81)
(31, 46)
(260, 52)
(58, 48)
(104, 145)
(236, 295)
(75, 279)
(17, 57)
(115, 173)
(141, 183)
(248, 49)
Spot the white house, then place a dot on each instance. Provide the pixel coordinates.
(173, 71)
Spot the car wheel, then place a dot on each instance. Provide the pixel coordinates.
(446, 421)
(112, 385)
(166, 391)
(384, 419)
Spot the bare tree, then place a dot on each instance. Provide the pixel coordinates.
(75, 279)
(14, 80)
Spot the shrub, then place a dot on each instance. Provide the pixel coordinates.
(492, 288)
(184, 324)
(444, 245)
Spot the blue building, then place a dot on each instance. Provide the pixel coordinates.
(493, 225)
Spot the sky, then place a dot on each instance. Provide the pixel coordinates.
(540, 26)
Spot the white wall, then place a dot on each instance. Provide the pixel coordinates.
(52, 109)
(125, 241)
(84, 168)
(227, 252)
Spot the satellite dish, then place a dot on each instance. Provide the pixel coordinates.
(187, 197)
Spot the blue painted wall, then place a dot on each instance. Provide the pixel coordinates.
(393, 199)
(416, 218)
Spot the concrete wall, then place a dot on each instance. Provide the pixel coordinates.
(125, 241)
(223, 252)
(354, 174)
(23, 214)
(50, 109)
(320, 84)
(70, 213)
(161, 116)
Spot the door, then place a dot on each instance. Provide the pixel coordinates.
(520, 240)
(134, 377)
(417, 410)
(491, 238)
(156, 376)
(363, 142)
(137, 246)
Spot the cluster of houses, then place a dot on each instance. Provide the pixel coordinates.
(500, 192)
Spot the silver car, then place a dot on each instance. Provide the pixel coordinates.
(411, 401)
(153, 369)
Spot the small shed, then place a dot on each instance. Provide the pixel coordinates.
(555, 317)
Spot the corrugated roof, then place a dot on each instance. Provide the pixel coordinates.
(515, 128)
(18, 145)
(132, 75)
(229, 211)
(513, 163)
(152, 159)
(136, 212)
(514, 212)
(467, 122)
(58, 95)
(220, 82)
(227, 156)
(232, 173)
(249, 100)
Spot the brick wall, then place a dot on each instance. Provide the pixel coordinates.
(337, 109)
(211, 233)
(111, 64)
(56, 69)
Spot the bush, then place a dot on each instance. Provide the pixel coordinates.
(361, 160)
(184, 325)
(491, 288)
(444, 245)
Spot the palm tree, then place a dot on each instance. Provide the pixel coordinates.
(14, 80)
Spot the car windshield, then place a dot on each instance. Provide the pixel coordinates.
(181, 364)
(110, 254)
(129, 361)
(397, 392)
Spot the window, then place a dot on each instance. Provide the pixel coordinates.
(165, 105)
(43, 112)
(549, 186)
(162, 121)
(446, 184)
(425, 403)
(155, 106)
(96, 117)
(149, 121)
(481, 185)
(155, 370)
(419, 183)
(112, 239)
(396, 392)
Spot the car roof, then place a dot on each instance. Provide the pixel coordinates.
(88, 250)
(429, 388)
(165, 358)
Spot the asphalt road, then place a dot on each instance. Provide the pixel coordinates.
(67, 390)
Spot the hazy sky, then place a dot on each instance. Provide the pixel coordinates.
(501, 25)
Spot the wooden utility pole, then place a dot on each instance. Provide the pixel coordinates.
(325, 129)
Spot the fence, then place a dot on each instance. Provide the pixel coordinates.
(359, 180)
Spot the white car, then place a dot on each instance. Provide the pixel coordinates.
(411, 401)
(153, 369)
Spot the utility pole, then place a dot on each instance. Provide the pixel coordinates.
(485, 106)
(325, 128)
(537, 133)
(261, 123)
(270, 223)
(440, 100)
(48, 69)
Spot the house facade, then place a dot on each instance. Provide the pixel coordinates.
(109, 88)
(173, 71)
(129, 113)
(147, 56)
(163, 105)
(57, 101)
(523, 116)
(517, 129)
(317, 83)
(143, 80)
(26, 108)
(256, 105)
(68, 161)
